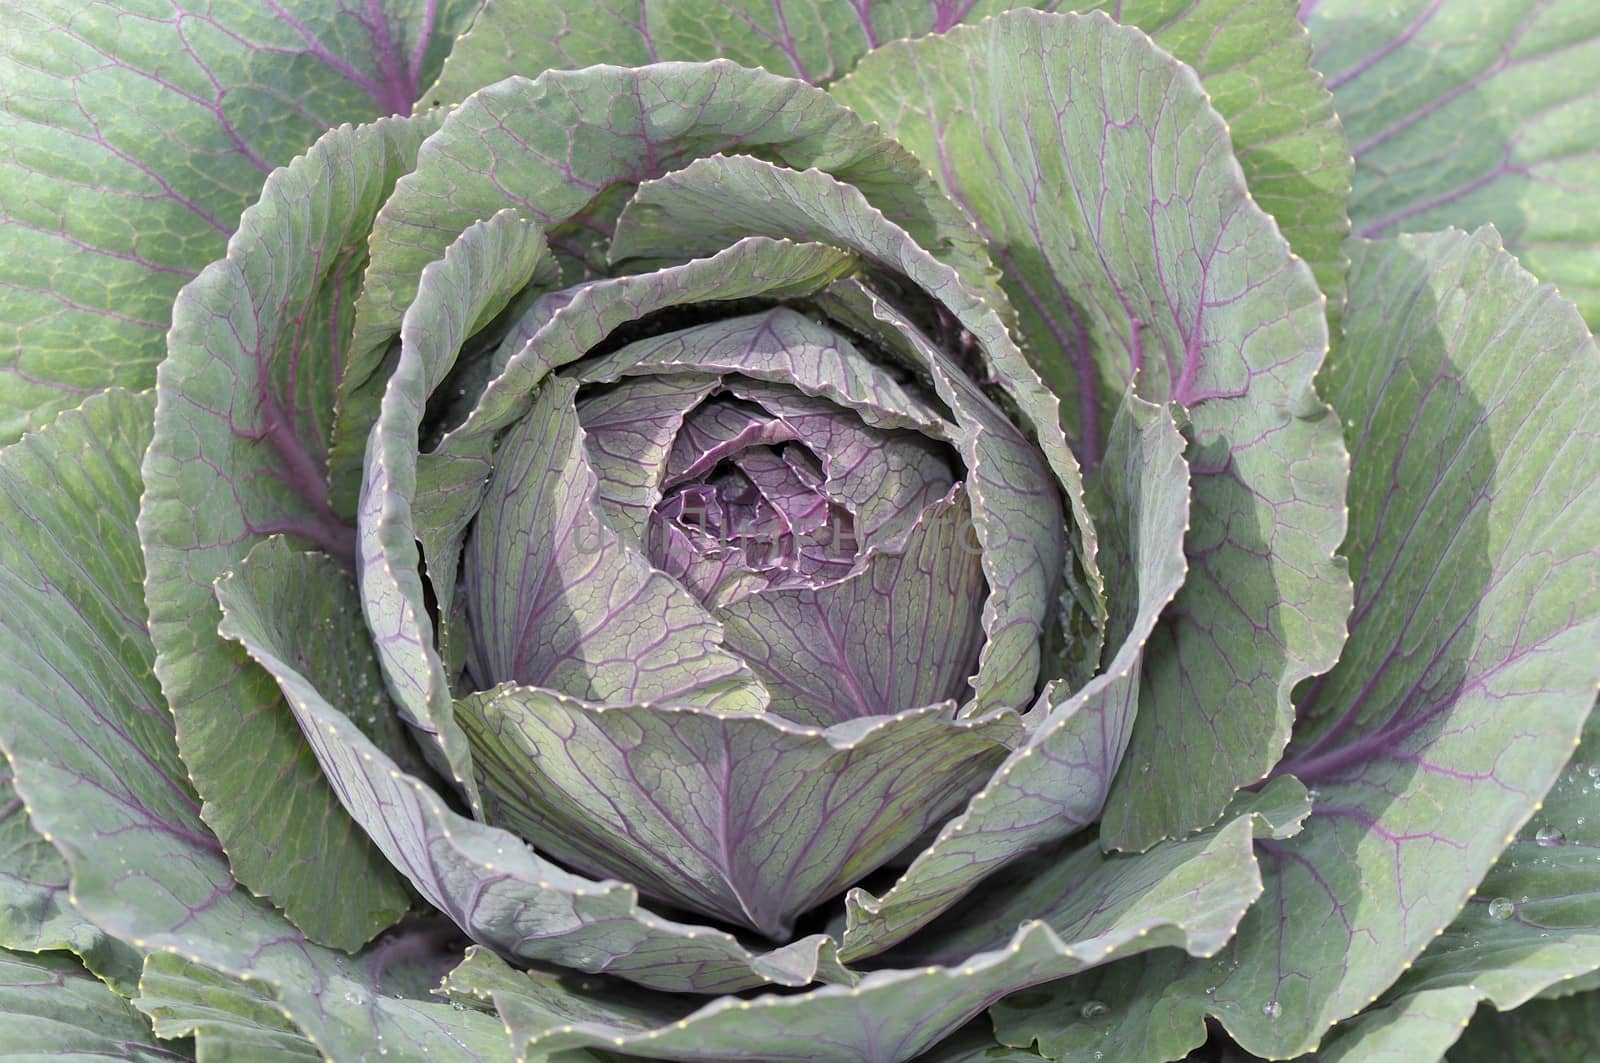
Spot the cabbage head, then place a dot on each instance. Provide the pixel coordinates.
(819, 531)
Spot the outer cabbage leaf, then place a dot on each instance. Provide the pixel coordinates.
(1415, 1029)
(1465, 114)
(135, 133)
(231, 1021)
(91, 744)
(1252, 58)
(1532, 925)
(34, 913)
(243, 404)
(51, 1008)
(1104, 178)
(1470, 666)
(461, 292)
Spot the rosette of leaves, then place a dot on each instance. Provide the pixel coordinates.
(666, 559)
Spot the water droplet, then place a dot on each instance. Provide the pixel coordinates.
(1094, 1009)
(1580, 821)
(456, 1005)
(1144, 769)
(1548, 836)
(1593, 771)
(1501, 908)
(1099, 1054)
(1314, 795)
(1272, 1009)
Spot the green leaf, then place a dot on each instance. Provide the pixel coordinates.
(1252, 57)
(1054, 131)
(133, 133)
(1188, 895)
(1542, 1031)
(1470, 666)
(1056, 781)
(243, 404)
(548, 148)
(1465, 114)
(51, 1008)
(1533, 924)
(91, 743)
(34, 913)
(1254, 63)
(231, 1021)
(1416, 1028)
(299, 617)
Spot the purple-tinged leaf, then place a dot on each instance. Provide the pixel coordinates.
(1056, 782)
(1017, 513)
(628, 433)
(780, 346)
(1097, 165)
(745, 817)
(450, 480)
(1254, 62)
(133, 134)
(239, 454)
(901, 631)
(884, 479)
(92, 746)
(557, 600)
(1058, 884)
(548, 147)
(759, 520)
(1189, 895)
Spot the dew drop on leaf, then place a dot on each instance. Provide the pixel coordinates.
(1272, 1009)
(1094, 1009)
(1502, 908)
(1548, 836)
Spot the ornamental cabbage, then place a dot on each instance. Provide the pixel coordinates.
(748, 533)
